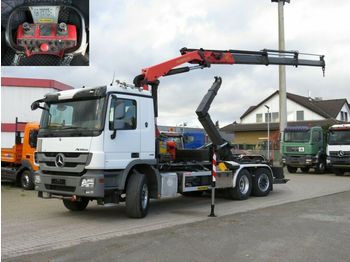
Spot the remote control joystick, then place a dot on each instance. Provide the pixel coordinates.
(62, 27)
(26, 27)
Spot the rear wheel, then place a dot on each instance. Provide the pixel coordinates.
(137, 196)
(76, 205)
(243, 186)
(27, 180)
(292, 169)
(305, 169)
(262, 182)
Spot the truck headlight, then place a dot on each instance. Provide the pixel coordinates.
(88, 182)
(37, 179)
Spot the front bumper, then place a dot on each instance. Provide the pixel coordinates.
(64, 185)
(300, 161)
(339, 162)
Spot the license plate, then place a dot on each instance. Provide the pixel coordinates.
(58, 181)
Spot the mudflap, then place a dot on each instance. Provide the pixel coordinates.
(278, 175)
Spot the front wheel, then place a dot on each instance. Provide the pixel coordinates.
(27, 180)
(262, 182)
(292, 169)
(78, 205)
(320, 167)
(137, 196)
(305, 169)
(243, 186)
(338, 172)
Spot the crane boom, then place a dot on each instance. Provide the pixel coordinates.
(204, 58)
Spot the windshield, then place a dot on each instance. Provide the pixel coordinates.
(340, 137)
(80, 115)
(297, 136)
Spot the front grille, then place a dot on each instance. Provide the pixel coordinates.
(292, 149)
(63, 173)
(336, 154)
(72, 162)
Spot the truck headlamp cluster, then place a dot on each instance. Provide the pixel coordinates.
(88, 182)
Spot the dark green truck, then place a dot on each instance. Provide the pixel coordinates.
(304, 147)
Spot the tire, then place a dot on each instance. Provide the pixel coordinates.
(338, 172)
(137, 196)
(262, 182)
(320, 167)
(243, 187)
(192, 194)
(305, 169)
(27, 180)
(76, 205)
(292, 169)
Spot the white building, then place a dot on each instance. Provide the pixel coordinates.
(17, 94)
(299, 108)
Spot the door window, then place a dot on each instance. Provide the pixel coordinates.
(129, 119)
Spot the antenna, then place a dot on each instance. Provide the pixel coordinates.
(112, 78)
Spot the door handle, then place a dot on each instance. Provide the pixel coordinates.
(135, 155)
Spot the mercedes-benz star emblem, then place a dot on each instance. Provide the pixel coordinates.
(59, 161)
(340, 153)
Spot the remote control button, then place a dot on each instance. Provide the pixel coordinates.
(44, 47)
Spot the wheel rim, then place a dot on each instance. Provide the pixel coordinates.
(244, 185)
(25, 180)
(263, 182)
(144, 197)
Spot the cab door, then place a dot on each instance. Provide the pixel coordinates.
(122, 134)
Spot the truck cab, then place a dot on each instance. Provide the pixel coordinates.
(89, 135)
(304, 147)
(338, 148)
(18, 163)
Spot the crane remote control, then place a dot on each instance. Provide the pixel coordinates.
(46, 38)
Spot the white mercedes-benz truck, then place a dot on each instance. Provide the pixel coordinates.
(338, 149)
(101, 143)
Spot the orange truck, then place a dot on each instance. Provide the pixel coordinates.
(17, 163)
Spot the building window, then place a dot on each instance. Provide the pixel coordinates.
(300, 115)
(259, 118)
(343, 116)
(266, 117)
(275, 117)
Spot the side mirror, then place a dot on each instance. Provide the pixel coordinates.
(35, 105)
(118, 119)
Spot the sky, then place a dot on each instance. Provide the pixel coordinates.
(128, 35)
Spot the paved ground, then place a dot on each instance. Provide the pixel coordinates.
(31, 225)
(310, 230)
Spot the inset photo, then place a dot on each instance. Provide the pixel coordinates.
(45, 32)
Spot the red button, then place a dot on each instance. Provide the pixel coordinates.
(44, 47)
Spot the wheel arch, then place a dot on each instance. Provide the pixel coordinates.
(25, 166)
(251, 169)
(150, 172)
